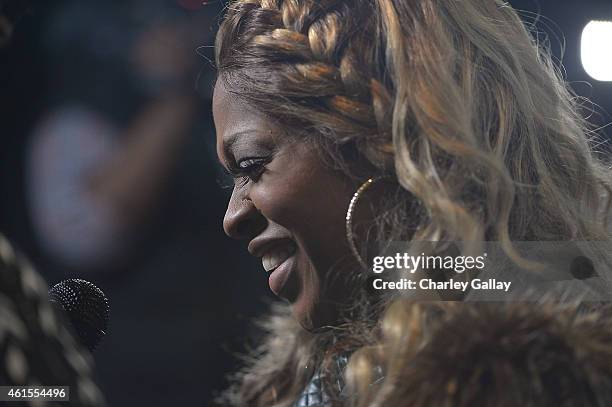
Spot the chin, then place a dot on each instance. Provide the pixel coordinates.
(314, 317)
(304, 313)
(311, 305)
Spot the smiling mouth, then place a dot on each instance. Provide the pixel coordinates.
(279, 263)
(275, 258)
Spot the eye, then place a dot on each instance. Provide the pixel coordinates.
(252, 167)
(248, 169)
(250, 164)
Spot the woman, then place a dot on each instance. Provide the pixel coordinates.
(430, 121)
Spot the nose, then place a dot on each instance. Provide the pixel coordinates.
(242, 219)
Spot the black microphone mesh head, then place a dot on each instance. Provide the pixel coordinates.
(86, 306)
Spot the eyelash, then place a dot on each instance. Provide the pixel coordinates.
(252, 172)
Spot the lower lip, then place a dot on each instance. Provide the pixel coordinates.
(278, 278)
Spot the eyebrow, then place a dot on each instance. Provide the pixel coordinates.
(230, 141)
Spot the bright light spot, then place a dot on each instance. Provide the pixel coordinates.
(596, 49)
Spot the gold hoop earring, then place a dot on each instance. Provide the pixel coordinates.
(349, 219)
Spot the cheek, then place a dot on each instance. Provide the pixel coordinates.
(311, 203)
(300, 194)
(289, 203)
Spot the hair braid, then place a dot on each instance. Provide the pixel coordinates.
(319, 67)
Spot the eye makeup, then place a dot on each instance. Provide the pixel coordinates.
(246, 154)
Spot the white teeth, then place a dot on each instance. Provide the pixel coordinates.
(275, 258)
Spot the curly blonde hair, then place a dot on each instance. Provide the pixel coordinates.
(455, 100)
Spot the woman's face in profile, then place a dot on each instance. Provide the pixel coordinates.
(288, 207)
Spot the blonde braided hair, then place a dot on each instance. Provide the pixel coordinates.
(453, 99)
(312, 61)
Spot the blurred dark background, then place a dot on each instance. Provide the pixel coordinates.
(108, 173)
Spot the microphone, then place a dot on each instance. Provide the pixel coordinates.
(86, 306)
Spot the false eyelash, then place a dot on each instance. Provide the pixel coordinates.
(224, 183)
(242, 175)
(227, 180)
